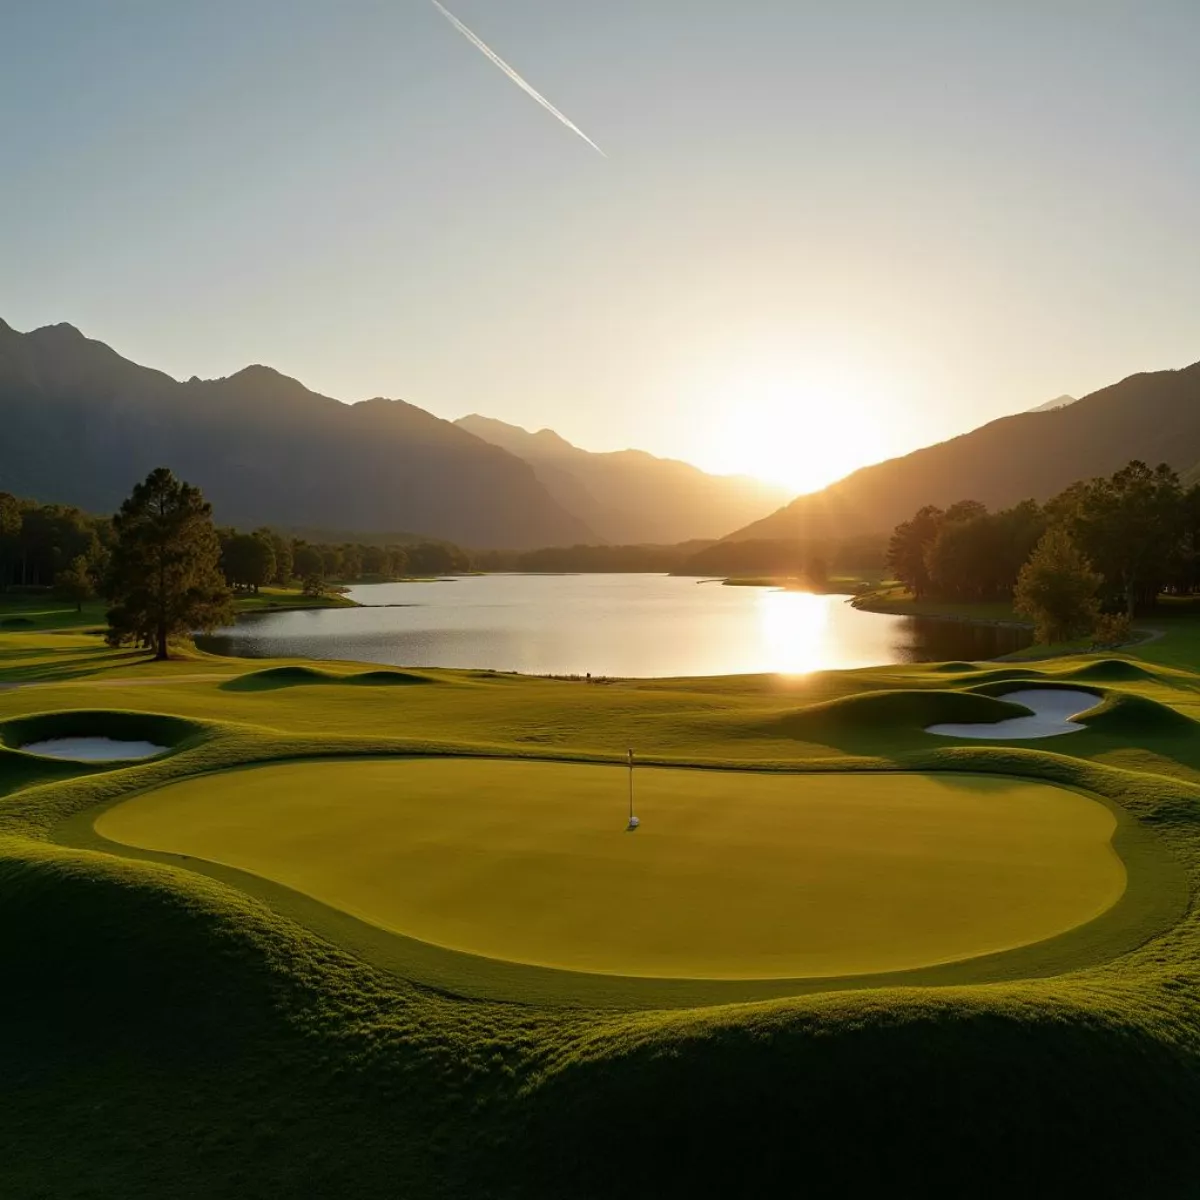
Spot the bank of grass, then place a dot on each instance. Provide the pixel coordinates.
(899, 601)
(1170, 635)
(32, 612)
(278, 599)
(171, 1032)
(835, 585)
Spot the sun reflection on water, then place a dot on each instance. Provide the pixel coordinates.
(793, 626)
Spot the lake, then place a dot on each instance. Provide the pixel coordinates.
(629, 625)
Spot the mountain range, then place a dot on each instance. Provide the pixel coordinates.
(1153, 416)
(81, 425)
(629, 496)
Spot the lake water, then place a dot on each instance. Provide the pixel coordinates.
(629, 625)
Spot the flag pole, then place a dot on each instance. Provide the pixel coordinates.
(633, 821)
(631, 787)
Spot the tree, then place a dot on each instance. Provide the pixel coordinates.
(907, 549)
(397, 562)
(10, 529)
(1057, 589)
(74, 583)
(308, 561)
(1131, 527)
(351, 562)
(248, 560)
(331, 561)
(283, 558)
(165, 575)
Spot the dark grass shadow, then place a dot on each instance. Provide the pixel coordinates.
(69, 663)
(275, 678)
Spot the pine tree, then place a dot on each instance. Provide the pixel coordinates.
(165, 575)
(74, 583)
(1057, 589)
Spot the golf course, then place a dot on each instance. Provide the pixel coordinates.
(371, 931)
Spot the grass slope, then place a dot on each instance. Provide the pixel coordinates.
(167, 1032)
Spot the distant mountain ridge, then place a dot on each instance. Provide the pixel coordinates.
(1058, 402)
(81, 425)
(1153, 416)
(629, 496)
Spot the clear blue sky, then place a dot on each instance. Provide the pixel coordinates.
(824, 232)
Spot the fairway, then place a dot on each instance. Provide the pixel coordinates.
(731, 875)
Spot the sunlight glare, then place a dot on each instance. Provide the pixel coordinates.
(800, 426)
(792, 626)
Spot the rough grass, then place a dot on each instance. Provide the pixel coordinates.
(167, 1033)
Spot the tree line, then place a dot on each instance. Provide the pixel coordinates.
(1105, 548)
(250, 561)
(814, 559)
(584, 558)
(44, 546)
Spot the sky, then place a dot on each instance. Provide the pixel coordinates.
(823, 234)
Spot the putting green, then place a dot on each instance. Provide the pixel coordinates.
(731, 875)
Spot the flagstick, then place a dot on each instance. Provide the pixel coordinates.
(633, 821)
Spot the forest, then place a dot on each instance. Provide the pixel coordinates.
(1138, 530)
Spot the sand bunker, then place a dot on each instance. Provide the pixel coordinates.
(93, 749)
(1052, 708)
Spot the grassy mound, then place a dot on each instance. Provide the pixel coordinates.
(1137, 718)
(120, 725)
(1111, 670)
(954, 668)
(276, 677)
(743, 1105)
(300, 676)
(877, 713)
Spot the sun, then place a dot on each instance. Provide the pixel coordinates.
(798, 427)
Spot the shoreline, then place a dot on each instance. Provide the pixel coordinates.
(1141, 637)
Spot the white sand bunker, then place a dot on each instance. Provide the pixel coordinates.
(93, 749)
(1052, 708)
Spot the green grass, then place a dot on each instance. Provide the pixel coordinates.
(178, 1029)
(733, 875)
(277, 599)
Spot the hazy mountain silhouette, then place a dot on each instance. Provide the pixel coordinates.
(629, 496)
(1058, 402)
(81, 425)
(1153, 416)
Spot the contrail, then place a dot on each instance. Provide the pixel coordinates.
(487, 50)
